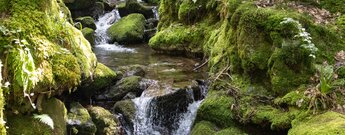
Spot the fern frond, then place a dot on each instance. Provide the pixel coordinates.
(44, 118)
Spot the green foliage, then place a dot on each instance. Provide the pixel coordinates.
(2, 103)
(333, 5)
(44, 118)
(26, 125)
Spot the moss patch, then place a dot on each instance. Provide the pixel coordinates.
(327, 123)
(217, 109)
(129, 29)
(203, 128)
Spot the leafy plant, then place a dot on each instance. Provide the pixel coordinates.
(45, 118)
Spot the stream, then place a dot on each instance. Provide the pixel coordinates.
(164, 77)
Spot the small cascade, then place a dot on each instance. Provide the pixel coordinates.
(149, 118)
(102, 24)
(155, 12)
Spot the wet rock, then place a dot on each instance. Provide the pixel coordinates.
(171, 106)
(132, 6)
(106, 123)
(89, 35)
(137, 70)
(149, 34)
(327, 123)
(79, 120)
(98, 9)
(120, 90)
(87, 21)
(127, 109)
(130, 95)
(80, 8)
(128, 30)
(154, 2)
(104, 77)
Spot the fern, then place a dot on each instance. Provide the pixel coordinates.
(44, 118)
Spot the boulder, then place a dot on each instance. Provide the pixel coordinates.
(127, 109)
(204, 128)
(24, 124)
(57, 111)
(89, 35)
(132, 6)
(79, 120)
(87, 21)
(152, 2)
(329, 123)
(79, 4)
(98, 9)
(122, 87)
(137, 70)
(104, 77)
(128, 30)
(106, 123)
(170, 106)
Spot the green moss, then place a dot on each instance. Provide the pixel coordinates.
(57, 111)
(3, 6)
(333, 5)
(104, 77)
(133, 6)
(278, 120)
(105, 121)
(89, 35)
(231, 131)
(129, 29)
(87, 21)
(179, 39)
(47, 38)
(66, 70)
(216, 108)
(203, 128)
(24, 125)
(2, 104)
(79, 118)
(294, 98)
(126, 108)
(330, 123)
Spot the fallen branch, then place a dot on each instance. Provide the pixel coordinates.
(203, 64)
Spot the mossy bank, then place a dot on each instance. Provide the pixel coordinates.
(266, 62)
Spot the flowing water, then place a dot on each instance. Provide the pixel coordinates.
(164, 75)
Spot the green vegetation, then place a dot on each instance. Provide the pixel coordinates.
(87, 21)
(264, 58)
(330, 123)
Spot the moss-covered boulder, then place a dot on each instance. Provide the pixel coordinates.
(122, 88)
(104, 77)
(329, 123)
(133, 6)
(204, 128)
(89, 35)
(216, 109)
(56, 54)
(136, 70)
(127, 109)
(153, 2)
(57, 111)
(87, 21)
(26, 125)
(79, 120)
(106, 123)
(128, 30)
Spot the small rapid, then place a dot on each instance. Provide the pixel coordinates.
(102, 24)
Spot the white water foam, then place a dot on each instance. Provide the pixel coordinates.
(103, 23)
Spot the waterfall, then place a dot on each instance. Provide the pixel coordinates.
(145, 121)
(102, 24)
(155, 12)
